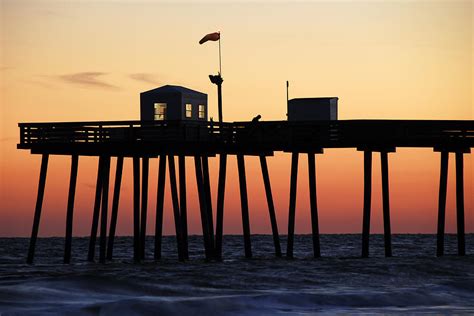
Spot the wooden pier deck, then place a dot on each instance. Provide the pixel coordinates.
(142, 141)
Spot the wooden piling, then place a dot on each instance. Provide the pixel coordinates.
(292, 206)
(443, 184)
(136, 209)
(175, 202)
(367, 202)
(96, 212)
(203, 207)
(460, 203)
(220, 205)
(115, 205)
(386, 204)
(70, 208)
(143, 217)
(183, 205)
(271, 206)
(244, 205)
(207, 190)
(160, 198)
(313, 205)
(38, 207)
(104, 210)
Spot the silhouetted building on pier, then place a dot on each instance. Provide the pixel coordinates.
(312, 109)
(173, 103)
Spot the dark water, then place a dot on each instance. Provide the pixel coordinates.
(413, 281)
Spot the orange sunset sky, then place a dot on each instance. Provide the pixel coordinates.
(85, 60)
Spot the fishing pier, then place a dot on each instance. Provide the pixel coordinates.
(202, 140)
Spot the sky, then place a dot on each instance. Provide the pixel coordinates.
(89, 60)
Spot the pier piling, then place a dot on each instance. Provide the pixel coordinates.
(143, 217)
(175, 202)
(314, 205)
(38, 207)
(96, 211)
(136, 209)
(203, 207)
(245, 205)
(443, 184)
(271, 206)
(160, 198)
(220, 204)
(115, 206)
(386, 204)
(183, 205)
(207, 190)
(367, 202)
(460, 203)
(292, 206)
(104, 210)
(70, 208)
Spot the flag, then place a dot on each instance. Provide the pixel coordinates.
(210, 37)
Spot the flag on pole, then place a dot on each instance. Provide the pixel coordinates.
(211, 37)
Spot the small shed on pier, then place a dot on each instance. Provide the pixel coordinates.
(312, 109)
(173, 103)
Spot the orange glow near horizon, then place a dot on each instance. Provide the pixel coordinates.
(89, 60)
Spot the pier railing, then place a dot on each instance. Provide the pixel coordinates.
(271, 135)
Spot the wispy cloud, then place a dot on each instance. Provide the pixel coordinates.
(145, 77)
(90, 79)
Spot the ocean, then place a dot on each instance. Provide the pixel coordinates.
(412, 281)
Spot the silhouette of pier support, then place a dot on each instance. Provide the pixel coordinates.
(104, 210)
(368, 199)
(313, 202)
(244, 205)
(70, 208)
(38, 207)
(443, 184)
(176, 211)
(96, 211)
(115, 206)
(160, 197)
(220, 204)
(183, 205)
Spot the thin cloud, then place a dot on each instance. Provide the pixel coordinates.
(144, 77)
(90, 79)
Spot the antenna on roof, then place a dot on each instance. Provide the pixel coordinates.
(287, 97)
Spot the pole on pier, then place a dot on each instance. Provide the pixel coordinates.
(292, 207)
(115, 205)
(145, 168)
(207, 189)
(136, 209)
(175, 201)
(203, 207)
(70, 208)
(160, 198)
(96, 213)
(220, 205)
(38, 207)
(443, 183)
(460, 203)
(314, 204)
(367, 202)
(386, 204)
(245, 206)
(271, 206)
(103, 212)
(183, 205)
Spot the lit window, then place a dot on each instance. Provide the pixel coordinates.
(202, 111)
(189, 110)
(160, 111)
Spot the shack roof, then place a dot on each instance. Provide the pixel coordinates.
(170, 89)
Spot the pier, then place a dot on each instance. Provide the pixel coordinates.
(202, 140)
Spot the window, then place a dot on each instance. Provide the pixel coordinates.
(189, 110)
(160, 111)
(202, 111)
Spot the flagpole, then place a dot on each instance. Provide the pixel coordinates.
(220, 64)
